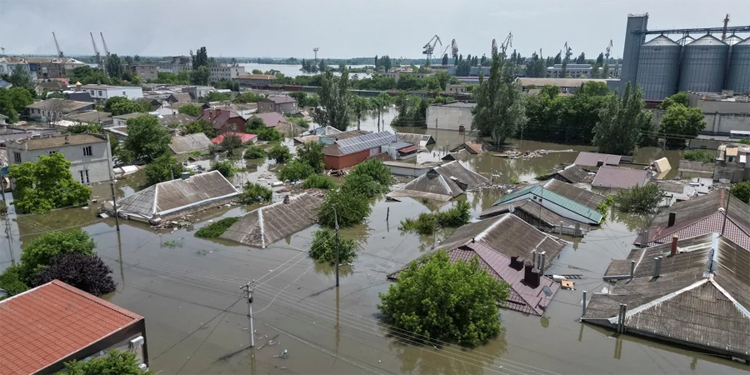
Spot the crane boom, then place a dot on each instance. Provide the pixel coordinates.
(508, 42)
(609, 47)
(430, 47)
(96, 50)
(726, 24)
(59, 52)
(104, 44)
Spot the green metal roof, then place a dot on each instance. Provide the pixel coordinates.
(559, 200)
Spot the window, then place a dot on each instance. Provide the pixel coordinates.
(100, 93)
(52, 152)
(124, 94)
(87, 151)
(17, 157)
(84, 174)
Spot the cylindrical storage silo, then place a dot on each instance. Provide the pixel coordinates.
(703, 65)
(739, 68)
(685, 40)
(732, 40)
(658, 68)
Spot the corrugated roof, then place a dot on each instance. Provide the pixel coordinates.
(442, 183)
(420, 140)
(620, 178)
(574, 174)
(590, 159)
(171, 197)
(44, 325)
(365, 142)
(189, 143)
(472, 147)
(689, 302)
(536, 192)
(269, 224)
(536, 211)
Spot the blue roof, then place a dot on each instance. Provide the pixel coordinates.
(4, 84)
(559, 200)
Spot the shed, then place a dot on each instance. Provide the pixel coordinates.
(693, 292)
(419, 140)
(268, 224)
(189, 143)
(620, 178)
(470, 147)
(171, 198)
(442, 183)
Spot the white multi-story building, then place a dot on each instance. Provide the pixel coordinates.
(8, 65)
(226, 72)
(104, 92)
(89, 154)
(571, 70)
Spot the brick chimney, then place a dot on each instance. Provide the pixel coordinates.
(531, 275)
(673, 250)
(516, 262)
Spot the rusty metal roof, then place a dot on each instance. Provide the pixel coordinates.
(44, 325)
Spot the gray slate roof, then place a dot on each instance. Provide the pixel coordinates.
(189, 143)
(442, 183)
(172, 197)
(421, 140)
(689, 302)
(269, 224)
(576, 194)
(574, 174)
(620, 178)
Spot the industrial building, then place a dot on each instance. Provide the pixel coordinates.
(710, 62)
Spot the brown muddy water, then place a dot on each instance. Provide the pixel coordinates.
(188, 290)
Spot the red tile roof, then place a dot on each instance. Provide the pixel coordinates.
(46, 324)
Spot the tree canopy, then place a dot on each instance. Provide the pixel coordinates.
(741, 190)
(622, 123)
(323, 248)
(114, 362)
(85, 272)
(311, 153)
(351, 209)
(13, 102)
(500, 108)
(681, 123)
(440, 300)
(334, 100)
(190, 110)
(163, 168)
(120, 105)
(147, 139)
(46, 184)
(640, 199)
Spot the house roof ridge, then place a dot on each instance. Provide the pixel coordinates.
(743, 310)
(661, 299)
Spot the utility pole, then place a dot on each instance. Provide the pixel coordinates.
(114, 204)
(726, 212)
(249, 295)
(336, 220)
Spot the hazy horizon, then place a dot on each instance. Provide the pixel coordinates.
(341, 29)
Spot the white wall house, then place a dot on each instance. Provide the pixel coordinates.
(104, 92)
(7, 66)
(89, 154)
(225, 72)
(450, 116)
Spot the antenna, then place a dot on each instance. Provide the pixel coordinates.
(59, 52)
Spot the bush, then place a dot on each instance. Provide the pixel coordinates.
(604, 206)
(311, 153)
(295, 171)
(269, 135)
(216, 229)
(252, 193)
(255, 152)
(225, 167)
(255, 123)
(10, 281)
(351, 209)
(426, 223)
(640, 199)
(742, 191)
(375, 169)
(440, 300)
(40, 251)
(323, 247)
(115, 362)
(190, 110)
(88, 273)
(163, 168)
(231, 143)
(317, 181)
(280, 153)
(699, 155)
(362, 184)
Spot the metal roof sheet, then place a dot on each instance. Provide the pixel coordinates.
(365, 142)
(559, 200)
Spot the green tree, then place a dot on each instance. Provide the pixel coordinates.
(14, 101)
(500, 103)
(231, 143)
(39, 252)
(640, 199)
(225, 167)
(375, 169)
(324, 245)
(250, 97)
(445, 59)
(280, 153)
(254, 152)
(269, 135)
(311, 153)
(444, 301)
(200, 58)
(334, 100)
(699, 155)
(114, 66)
(147, 139)
(10, 281)
(190, 110)
(217, 97)
(677, 99)
(350, 209)
(86, 272)
(120, 105)
(46, 184)
(163, 168)
(20, 77)
(295, 171)
(621, 121)
(255, 123)
(256, 71)
(317, 181)
(200, 126)
(681, 123)
(200, 76)
(359, 106)
(742, 191)
(115, 362)
(252, 193)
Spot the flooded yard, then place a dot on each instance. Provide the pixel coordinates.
(189, 291)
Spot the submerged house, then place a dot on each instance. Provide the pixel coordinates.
(419, 140)
(271, 223)
(594, 159)
(620, 178)
(348, 152)
(186, 144)
(716, 212)
(571, 174)
(171, 198)
(510, 250)
(470, 147)
(442, 183)
(693, 292)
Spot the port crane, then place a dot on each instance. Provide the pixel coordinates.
(606, 52)
(106, 50)
(508, 42)
(430, 47)
(454, 50)
(59, 51)
(97, 55)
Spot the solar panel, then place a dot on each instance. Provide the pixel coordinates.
(365, 142)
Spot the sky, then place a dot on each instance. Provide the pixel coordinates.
(341, 28)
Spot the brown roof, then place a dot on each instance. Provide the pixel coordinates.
(573, 174)
(472, 147)
(535, 210)
(53, 104)
(591, 159)
(62, 141)
(620, 177)
(44, 325)
(279, 99)
(271, 118)
(180, 97)
(220, 116)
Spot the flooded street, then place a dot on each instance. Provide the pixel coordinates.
(188, 289)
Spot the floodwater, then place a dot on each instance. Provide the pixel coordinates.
(188, 289)
(294, 70)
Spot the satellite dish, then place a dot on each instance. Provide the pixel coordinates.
(547, 291)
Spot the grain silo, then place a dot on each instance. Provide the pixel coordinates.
(732, 40)
(658, 68)
(738, 77)
(703, 65)
(685, 40)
